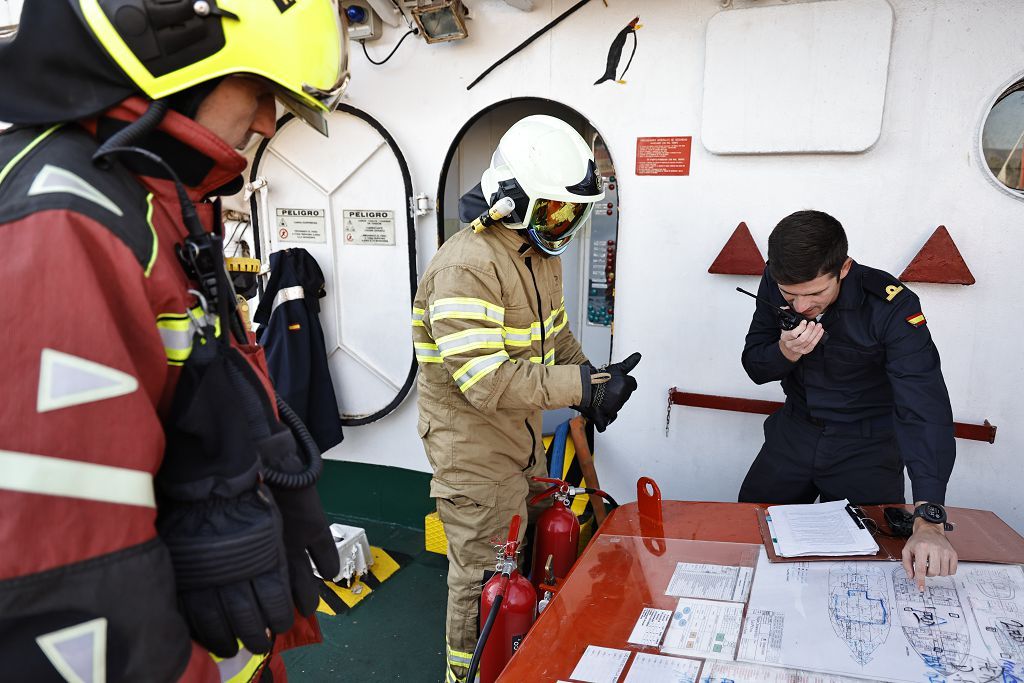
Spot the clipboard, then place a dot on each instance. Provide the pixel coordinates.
(980, 536)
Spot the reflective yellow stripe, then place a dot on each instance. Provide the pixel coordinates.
(238, 669)
(459, 658)
(28, 148)
(417, 317)
(177, 331)
(466, 308)
(478, 368)
(471, 339)
(156, 241)
(427, 352)
(560, 326)
(525, 336)
(522, 336)
(549, 324)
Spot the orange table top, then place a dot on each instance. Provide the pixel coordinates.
(630, 560)
(625, 568)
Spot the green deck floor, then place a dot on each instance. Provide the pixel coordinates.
(394, 634)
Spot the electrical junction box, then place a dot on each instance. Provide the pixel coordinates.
(363, 21)
(353, 551)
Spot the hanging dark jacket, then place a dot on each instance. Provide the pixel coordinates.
(289, 316)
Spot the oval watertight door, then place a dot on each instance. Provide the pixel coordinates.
(345, 199)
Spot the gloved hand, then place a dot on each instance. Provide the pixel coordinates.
(219, 523)
(229, 566)
(606, 391)
(307, 534)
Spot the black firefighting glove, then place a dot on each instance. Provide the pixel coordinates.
(291, 472)
(219, 523)
(606, 391)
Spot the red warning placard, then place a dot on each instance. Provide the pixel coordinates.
(663, 156)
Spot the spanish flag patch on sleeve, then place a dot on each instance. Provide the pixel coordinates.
(916, 320)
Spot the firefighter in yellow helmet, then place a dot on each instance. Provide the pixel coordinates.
(494, 348)
(157, 504)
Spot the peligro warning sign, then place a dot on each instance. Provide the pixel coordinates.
(301, 225)
(363, 226)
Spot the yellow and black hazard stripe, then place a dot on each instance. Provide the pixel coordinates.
(336, 598)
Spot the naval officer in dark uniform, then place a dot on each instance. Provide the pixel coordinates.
(864, 388)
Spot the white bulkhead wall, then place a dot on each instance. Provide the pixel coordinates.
(948, 62)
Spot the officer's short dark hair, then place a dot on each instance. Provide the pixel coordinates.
(805, 245)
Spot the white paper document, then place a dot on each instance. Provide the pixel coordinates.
(740, 672)
(711, 581)
(867, 620)
(704, 628)
(650, 626)
(819, 529)
(648, 668)
(600, 665)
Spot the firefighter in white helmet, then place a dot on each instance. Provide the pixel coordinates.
(495, 350)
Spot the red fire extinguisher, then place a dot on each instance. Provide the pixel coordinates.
(557, 535)
(510, 605)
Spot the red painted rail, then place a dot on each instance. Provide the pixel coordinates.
(962, 430)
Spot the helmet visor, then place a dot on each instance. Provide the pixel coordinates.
(554, 223)
(327, 98)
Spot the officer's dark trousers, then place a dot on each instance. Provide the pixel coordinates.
(803, 459)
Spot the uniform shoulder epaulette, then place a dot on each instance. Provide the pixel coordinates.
(883, 285)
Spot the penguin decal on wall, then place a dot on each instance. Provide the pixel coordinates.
(615, 53)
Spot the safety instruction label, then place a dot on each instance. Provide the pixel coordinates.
(301, 225)
(663, 156)
(369, 227)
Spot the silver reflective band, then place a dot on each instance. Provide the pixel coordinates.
(478, 367)
(454, 309)
(176, 338)
(287, 294)
(477, 340)
(55, 180)
(427, 351)
(49, 476)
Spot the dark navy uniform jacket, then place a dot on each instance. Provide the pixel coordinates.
(289, 313)
(878, 360)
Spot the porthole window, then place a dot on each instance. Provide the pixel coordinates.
(1002, 139)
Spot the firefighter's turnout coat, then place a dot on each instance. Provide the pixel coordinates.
(494, 350)
(99, 321)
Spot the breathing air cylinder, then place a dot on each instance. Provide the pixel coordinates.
(557, 535)
(509, 605)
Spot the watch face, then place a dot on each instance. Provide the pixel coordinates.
(933, 513)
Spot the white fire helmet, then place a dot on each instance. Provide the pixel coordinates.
(548, 170)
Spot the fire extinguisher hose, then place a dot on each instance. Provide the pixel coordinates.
(599, 492)
(486, 630)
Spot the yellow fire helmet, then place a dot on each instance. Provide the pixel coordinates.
(164, 47)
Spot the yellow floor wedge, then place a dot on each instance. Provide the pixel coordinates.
(336, 598)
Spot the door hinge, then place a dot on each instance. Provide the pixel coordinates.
(420, 205)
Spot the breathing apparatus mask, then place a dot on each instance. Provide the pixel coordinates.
(548, 171)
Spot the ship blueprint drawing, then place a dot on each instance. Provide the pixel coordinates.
(867, 620)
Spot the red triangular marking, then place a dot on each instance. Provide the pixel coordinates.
(739, 256)
(939, 261)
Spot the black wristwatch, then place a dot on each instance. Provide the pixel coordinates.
(933, 513)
